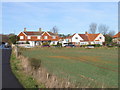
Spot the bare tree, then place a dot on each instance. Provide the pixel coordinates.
(103, 29)
(54, 30)
(93, 28)
(111, 33)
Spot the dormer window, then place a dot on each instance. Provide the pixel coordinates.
(38, 37)
(29, 37)
(45, 37)
(21, 37)
(76, 37)
(100, 37)
(53, 37)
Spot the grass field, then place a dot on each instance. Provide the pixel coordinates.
(84, 67)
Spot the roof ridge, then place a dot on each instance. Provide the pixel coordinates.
(87, 37)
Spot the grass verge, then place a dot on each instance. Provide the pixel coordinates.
(26, 80)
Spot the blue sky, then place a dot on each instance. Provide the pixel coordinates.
(69, 17)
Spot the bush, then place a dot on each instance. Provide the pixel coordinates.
(84, 45)
(27, 42)
(110, 46)
(114, 44)
(59, 44)
(45, 43)
(13, 39)
(97, 45)
(35, 63)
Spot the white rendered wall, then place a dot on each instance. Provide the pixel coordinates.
(98, 38)
(32, 43)
(76, 40)
(53, 42)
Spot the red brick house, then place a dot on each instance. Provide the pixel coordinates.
(38, 37)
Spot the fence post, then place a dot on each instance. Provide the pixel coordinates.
(16, 51)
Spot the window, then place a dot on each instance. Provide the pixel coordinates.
(21, 37)
(66, 40)
(53, 42)
(82, 43)
(53, 37)
(77, 43)
(45, 37)
(76, 37)
(29, 37)
(100, 37)
(38, 37)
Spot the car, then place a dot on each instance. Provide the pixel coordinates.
(70, 45)
(7, 45)
(28, 46)
(3, 46)
(45, 45)
(57, 46)
(89, 47)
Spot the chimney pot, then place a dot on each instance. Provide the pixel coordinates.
(40, 29)
(24, 29)
(86, 32)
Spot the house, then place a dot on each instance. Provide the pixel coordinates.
(116, 38)
(4, 38)
(65, 40)
(38, 37)
(84, 39)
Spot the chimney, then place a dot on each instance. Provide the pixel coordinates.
(24, 29)
(40, 29)
(86, 32)
(56, 33)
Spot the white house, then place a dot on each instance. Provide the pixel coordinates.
(84, 39)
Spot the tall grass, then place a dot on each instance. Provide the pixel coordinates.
(26, 80)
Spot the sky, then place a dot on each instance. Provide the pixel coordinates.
(68, 17)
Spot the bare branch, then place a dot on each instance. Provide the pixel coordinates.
(55, 30)
(103, 29)
(93, 27)
(111, 33)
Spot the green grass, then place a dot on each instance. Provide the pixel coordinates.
(84, 67)
(25, 79)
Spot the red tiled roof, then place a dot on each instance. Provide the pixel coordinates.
(52, 33)
(117, 35)
(85, 37)
(68, 37)
(37, 33)
(33, 33)
(88, 37)
(97, 40)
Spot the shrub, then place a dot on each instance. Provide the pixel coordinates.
(35, 63)
(84, 45)
(45, 43)
(97, 45)
(110, 46)
(59, 44)
(13, 39)
(27, 42)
